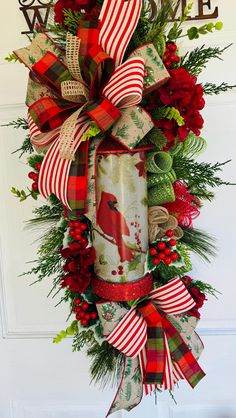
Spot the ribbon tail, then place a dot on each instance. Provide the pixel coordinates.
(55, 172)
(130, 391)
(182, 355)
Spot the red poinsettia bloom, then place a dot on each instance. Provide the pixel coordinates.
(75, 5)
(198, 296)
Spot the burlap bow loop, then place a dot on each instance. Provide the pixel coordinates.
(160, 221)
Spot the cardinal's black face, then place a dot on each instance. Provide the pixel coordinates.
(111, 204)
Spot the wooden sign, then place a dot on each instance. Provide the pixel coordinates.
(37, 11)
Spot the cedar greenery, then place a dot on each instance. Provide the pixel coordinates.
(199, 176)
(196, 60)
(211, 88)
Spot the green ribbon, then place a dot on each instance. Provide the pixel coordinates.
(160, 178)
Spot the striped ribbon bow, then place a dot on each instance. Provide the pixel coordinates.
(146, 333)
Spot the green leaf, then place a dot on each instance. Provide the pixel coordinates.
(133, 264)
(192, 33)
(219, 25)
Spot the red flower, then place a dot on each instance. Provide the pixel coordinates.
(183, 93)
(74, 5)
(198, 296)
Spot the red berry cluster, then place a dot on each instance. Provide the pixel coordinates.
(119, 271)
(78, 231)
(85, 312)
(79, 259)
(35, 176)
(163, 250)
(170, 56)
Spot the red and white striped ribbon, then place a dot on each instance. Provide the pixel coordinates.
(119, 19)
(173, 298)
(54, 172)
(125, 87)
(130, 335)
(39, 138)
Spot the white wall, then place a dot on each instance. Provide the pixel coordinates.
(41, 380)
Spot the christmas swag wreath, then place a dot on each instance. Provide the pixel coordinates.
(114, 119)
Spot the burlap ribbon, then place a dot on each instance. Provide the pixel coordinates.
(149, 336)
(160, 221)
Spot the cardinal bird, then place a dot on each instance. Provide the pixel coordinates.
(113, 224)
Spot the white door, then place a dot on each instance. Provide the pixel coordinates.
(41, 380)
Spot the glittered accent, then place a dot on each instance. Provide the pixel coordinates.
(161, 194)
(119, 292)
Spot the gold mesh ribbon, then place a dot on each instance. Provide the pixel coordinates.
(75, 91)
(159, 221)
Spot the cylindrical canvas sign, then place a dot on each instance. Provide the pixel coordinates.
(121, 237)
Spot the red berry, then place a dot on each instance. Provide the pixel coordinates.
(156, 261)
(71, 224)
(87, 316)
(161, 245)
(38, 166)
(169, 233)
(85, 306)
(172, 242)
(172, 47)
(79, 315)
(35, 186)
(167, 260)
(72, 266)
(72, 232)
(174, 256)
(35, 177)
(93, 315)
(113, 272)
(167, 251)
(172, 57)
(161, 256)
(152, 251)
(31, 175)
(77, 309)
(77, 301)
(168, 63)
(76, 224)
(84, 242)
(177, 59)
(83, 227)
(77, 230)
(77, 237)
(84, 322)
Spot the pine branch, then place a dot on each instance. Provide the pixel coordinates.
(200, 242)
(18, 123)
(196, 60)
(198, 176)
(26, 147)
(72, 20)
(106, 364)
(205, 288)
(211, 88)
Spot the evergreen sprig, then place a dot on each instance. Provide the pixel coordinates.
(196, 60)
(18, 123)
(205, 288)
(26, 147)
(211, 88)
(199, 176)
(200, 242)
(72, 20)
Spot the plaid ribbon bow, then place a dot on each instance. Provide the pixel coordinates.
(147, 334)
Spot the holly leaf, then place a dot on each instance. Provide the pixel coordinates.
(133, 264)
